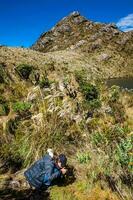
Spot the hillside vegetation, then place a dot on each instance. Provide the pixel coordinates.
(54, 95)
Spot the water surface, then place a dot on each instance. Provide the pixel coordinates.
(126, 83)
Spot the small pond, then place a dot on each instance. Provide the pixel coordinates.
(125, 83)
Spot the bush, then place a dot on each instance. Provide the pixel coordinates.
(24, 71)
(114, 93)
(118, 111)
(21, 107)
(2, 100)
(2, 74)
(94, 104)
(89, 91)
(1, 78)
(80, 76)
(44, 83)
(98, 139)
(124, 153)
(83, 157)
(12, 125)
(4, 109)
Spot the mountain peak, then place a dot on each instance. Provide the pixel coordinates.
(76, 32)
(74, 14)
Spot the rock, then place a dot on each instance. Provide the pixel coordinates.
(78, 44)
(63, 28)
(109, 27)
(104, 57)
(74, 14)
(61, 86)
(123, 40)
(78, 20)
(89, 26)
(95, 45)
(46, 40)
(66, 35)
(95, 36)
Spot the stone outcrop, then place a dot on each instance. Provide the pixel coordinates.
(71, 31)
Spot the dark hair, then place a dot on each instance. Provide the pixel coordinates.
(63, 159)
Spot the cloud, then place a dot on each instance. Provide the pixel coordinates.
(126, 23)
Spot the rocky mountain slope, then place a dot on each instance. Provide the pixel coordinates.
(54, 95)
(105, 48)
(77, 32)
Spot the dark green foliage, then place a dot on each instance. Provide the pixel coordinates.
(44, 82)
(111, 135)
(98, 139)
(4, 108)
(2, 100)
(1, 78)
(24, 71)
(124, 153)
(93, 105)
(12, 125)
(21, 106)
(89, 91)
(2, 74)
(114, 93)
(80, 76)
(83, 157)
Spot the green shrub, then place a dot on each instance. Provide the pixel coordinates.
(89, 91)
(80, 76)
(1, 78)
(118, 111)
(2, 100)
(44, 82)
(114, 93)
(4, 109)
(12, 125)
(94, 104)
(124, 153)
(83, 157)
(98, 138)
(115, 133)
(24, 71)
(21, 106)
(2, 74)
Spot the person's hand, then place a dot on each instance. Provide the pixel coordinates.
(63, 170)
